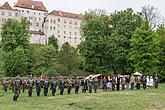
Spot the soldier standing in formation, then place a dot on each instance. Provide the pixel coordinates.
(5, 85)
(24, 85)
(95, 84)
(17, 85)
(38, 86)
(46, 86)
(69, 85)
(61, 85)
(30, 86)
(90, 85)
(84, 85)
(77, 85)
(53, 86)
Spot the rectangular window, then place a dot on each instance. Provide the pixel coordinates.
(58, 20)
(54, 21)
(64, 32)
(37, 24)
(54, 28)
(22, 11)
(27, 11)
(16, 14)
(10, 14)
(50, 27)
(75, 33)
(70, 33)
(65, 26)
(58, 32)
(64, 21)
(75, 22)
(2, 13)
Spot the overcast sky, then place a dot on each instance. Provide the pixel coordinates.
(79, 6)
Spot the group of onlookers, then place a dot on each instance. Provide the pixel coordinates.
(129, 82)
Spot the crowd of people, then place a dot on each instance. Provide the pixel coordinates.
(91, 84)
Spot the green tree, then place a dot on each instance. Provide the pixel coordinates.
(144, 49)
(68, 59)
(106, 46)
(15, 34)
(161, 35)
(15, 62)
(47, 60)
(53, 41)
(96, 31)
(124, 23)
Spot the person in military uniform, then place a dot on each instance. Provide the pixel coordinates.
(84, 85)
(46, 86)
(30, 85)
(69, 83)
(61, 85)
(53, 86)
(105, 81)
(95, 84)
(156, 81)
(90, 85)
(17, 84)
(77, 85)
(144, 82)
(5, 85)
(24, 85)
(38, 86)
(113, 83)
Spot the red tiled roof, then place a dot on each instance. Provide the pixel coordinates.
(35, 5)
(67, 14)
(6, 6)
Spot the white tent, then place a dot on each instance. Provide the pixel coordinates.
(138, 74)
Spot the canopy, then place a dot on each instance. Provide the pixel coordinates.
(138, 74)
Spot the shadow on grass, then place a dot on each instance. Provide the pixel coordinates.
(74, 104)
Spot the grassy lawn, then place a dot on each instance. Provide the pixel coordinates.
(150, 99)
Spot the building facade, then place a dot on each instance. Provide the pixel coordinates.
(64, 26)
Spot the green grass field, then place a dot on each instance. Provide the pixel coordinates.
(150, 99)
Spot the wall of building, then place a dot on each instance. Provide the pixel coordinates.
(65, 29)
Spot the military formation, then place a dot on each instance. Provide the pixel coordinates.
(114, 83)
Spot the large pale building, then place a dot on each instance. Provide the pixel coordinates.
(64, 26)
(7, 12)
(35, 12)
